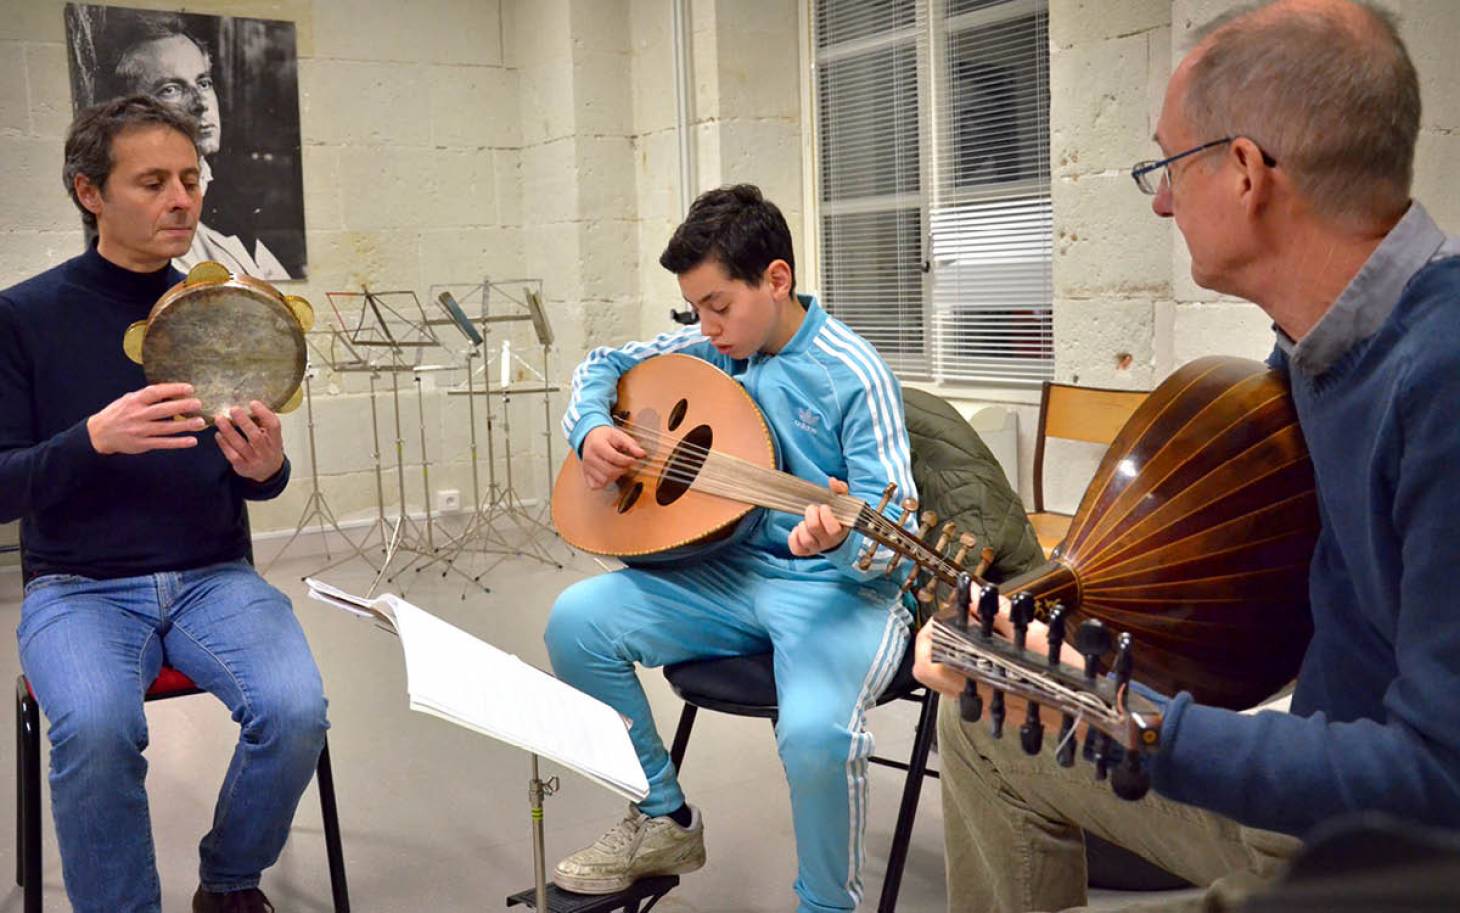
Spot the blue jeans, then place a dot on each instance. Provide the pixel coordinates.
(90, 649)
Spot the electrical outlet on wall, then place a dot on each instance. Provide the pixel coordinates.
(448, 500)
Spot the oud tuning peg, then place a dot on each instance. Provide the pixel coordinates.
(944, 536)
(970, 704)
(929, 592)
(1103, 750)
(909, 506)
(988, 609)
(965, 542)
(962, 600)
(985, 561)
(887, 494)
(910, 582)
(864, 560)
(1093, 640)
(1066, 753)
(1031, 734)
(929, 520)
(1124, 664)
(1130, 780)
(1021, 613)
(946, 607)
(1056, 633)
(925, 604)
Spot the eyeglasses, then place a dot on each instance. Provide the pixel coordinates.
(1143, 173)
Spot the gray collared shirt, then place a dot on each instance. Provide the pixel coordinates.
(1372, 294)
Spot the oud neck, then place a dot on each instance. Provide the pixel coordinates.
(737, 480)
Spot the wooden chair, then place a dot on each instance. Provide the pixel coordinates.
(1069, 412)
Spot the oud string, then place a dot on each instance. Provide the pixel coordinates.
(961, 648)
(736, 479)
(732, 477)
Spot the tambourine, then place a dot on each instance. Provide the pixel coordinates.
(234, 338)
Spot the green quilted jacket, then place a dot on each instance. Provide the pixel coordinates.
(959, 478)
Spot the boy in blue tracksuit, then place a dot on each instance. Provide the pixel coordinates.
(791, 587)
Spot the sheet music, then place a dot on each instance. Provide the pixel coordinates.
(377, 609)
(469, 682)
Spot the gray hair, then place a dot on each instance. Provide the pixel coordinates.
(1330, 94)
(89, 140)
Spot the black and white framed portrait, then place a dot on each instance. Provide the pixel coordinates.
(240, 78)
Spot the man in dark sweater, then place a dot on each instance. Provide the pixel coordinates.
(135, 538)
(1288, 135)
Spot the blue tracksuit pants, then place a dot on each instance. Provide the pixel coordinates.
(837, 644)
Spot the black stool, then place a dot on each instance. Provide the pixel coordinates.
(559, 901)
(746, 686)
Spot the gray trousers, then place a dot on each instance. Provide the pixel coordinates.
(1015, 830)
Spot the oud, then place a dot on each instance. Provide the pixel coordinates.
(1194, 536)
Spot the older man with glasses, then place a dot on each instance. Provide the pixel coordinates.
(1289, 135)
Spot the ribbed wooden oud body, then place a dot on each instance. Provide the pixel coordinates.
(648, 395)
(1195, 536)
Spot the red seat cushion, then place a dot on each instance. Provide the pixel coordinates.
(169, 682)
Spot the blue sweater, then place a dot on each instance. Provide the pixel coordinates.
(119, 515)
(1375, 721)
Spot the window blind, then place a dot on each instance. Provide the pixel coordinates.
(933, 154)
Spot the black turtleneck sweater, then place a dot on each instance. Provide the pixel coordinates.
(81, 512)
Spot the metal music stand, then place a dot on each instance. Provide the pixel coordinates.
(345, 359)
(394, 322)
(501, 523)
(317, 508)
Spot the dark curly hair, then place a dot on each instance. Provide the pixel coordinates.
(736, 226)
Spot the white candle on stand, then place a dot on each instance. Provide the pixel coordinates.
(506, 362)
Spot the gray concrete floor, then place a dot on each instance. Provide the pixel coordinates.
(435, 817)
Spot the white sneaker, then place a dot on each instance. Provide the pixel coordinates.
(636, 847)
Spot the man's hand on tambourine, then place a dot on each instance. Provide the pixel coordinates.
(607, 454)
(146, 420)
(253, 444)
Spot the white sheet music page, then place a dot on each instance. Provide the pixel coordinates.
(377, 609)
(469, 682)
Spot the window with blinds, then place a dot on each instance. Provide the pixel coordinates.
(932, 125)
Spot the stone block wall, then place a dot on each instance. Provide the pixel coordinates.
(1122, 275)
(453, 141)
(450, 141)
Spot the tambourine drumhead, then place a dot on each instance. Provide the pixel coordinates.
(232, 343)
